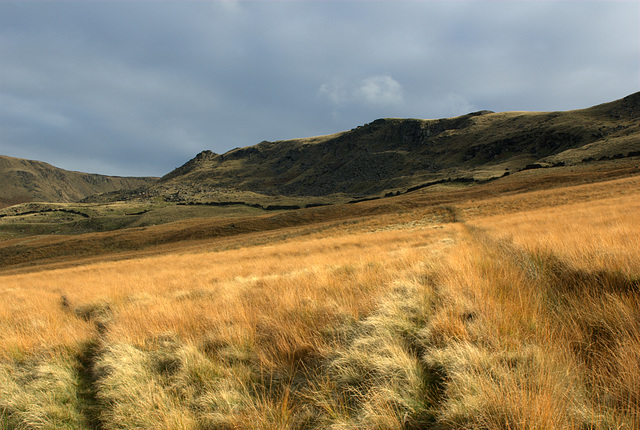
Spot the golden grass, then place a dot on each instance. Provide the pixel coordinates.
(549, 300)
(522, 320)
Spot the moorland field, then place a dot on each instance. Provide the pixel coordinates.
(512, 304)
(479, 272)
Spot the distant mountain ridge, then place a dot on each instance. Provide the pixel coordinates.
(394, 155)
(28, 180)
(386, 157)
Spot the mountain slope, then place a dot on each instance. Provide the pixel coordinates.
(394, 155)
(27, 180)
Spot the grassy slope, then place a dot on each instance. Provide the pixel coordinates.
(27, 180)
(500, 307)
(30, 219)
(394, 155)
(227, 223)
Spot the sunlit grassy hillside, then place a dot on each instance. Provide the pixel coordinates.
(521, 312)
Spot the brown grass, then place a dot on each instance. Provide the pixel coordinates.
(555, 327)
(517, 318)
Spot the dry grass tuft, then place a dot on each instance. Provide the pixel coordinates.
(40, 393)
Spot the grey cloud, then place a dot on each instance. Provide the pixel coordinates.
(139, 87)
(373, 90)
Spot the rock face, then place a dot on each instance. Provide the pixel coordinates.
(26, 180)
(388, 155)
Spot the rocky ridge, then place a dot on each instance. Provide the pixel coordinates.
(393, 155)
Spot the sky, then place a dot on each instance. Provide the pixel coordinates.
(137, 88)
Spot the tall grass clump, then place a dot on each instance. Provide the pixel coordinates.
(377, 379)
(41, 393)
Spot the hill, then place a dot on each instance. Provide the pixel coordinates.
(391, 156)
(27, 180)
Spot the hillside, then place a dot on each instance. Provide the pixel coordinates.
(38, 234)
(385, 157)
(512, 304)
(391, 156)
(27, 180)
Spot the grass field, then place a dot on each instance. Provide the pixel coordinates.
(510, 309)
(30, 219)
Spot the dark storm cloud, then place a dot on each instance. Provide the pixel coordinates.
(137, 88)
